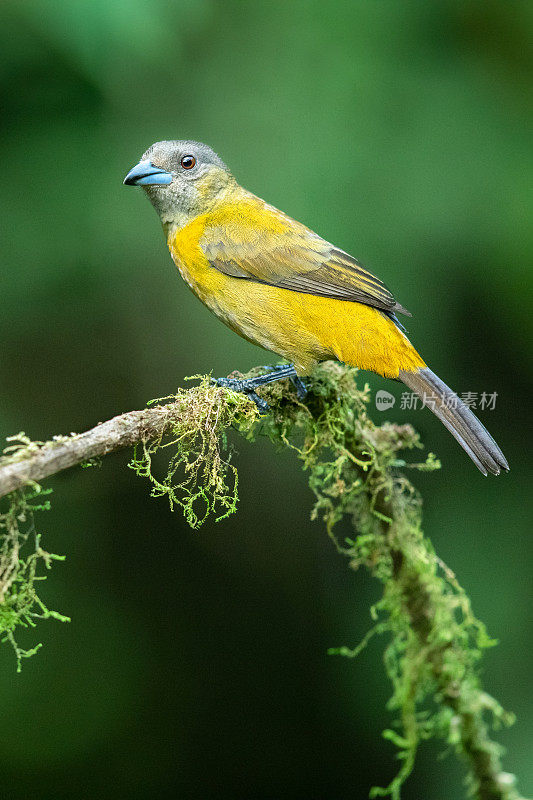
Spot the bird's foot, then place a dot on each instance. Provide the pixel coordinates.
(299, 385)
(279, 371)
(248, 386)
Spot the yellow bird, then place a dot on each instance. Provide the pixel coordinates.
(281, 286)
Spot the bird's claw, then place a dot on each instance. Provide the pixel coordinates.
(246, 387)
(299, 385)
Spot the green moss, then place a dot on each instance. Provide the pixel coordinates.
(198, 477)
(21, 557)
(435, 641)
(356, 470)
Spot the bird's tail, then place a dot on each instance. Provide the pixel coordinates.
(457, 417)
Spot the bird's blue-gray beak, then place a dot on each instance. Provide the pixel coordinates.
(145, 174)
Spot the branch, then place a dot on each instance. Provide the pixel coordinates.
(421, 600)
(31, 462)
(356, 470)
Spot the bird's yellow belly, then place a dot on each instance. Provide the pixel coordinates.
(302, 328)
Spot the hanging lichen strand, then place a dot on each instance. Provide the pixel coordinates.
(21, 557)
(355, 469)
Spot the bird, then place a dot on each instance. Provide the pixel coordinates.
(283, 287)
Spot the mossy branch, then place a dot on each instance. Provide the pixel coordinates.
(26, 462)
(356, 469)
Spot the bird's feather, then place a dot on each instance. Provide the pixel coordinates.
(276, 250)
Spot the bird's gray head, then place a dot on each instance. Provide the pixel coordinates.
(182, 179)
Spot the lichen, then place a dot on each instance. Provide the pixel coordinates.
(199, 476)
(356, 470)
(21, 557)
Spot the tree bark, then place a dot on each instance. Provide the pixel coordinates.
(39, 461)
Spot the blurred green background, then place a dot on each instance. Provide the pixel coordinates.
(195, 664)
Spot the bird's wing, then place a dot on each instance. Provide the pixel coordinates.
(269, 247)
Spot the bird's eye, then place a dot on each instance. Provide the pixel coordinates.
(188, 162)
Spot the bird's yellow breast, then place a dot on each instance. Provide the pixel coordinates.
(303, 328)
